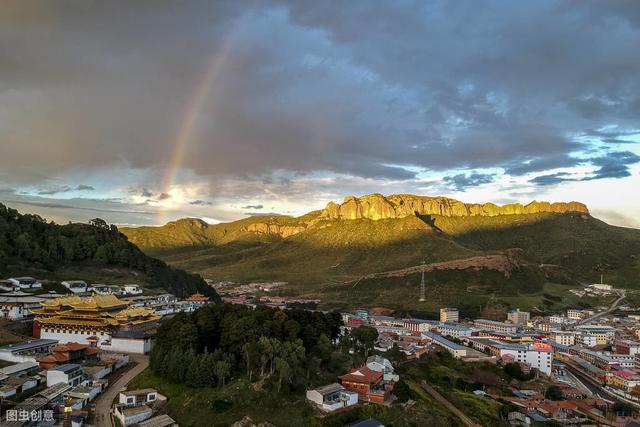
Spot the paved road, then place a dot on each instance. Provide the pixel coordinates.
(613, 306)
(440, 398)
(104, 401)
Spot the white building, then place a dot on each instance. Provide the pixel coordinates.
(586, 340)
(25, 282)
(71, 373)
(381, 364)
(603, 334)
(454, 330)
(492, 325)
(449, 314)
(77, 286)
(132, 289)
(26, 351)
(18, 305)
(518, 317)
(456, 350)
(132, 415)
(107, 289)
(332, 397)
(138, 397)
(538, 356)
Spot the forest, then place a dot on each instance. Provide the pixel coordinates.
(30, 241)
(287, 350)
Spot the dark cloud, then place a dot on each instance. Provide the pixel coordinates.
(7, 190)
(164, 196)
(355, 88)
(253, 207)
(461, 181)
(552, 179)
(146, 193)
(611, 165)
(54, 190)
(85, 187)
(200, 203)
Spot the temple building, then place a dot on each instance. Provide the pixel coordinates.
(102, 320)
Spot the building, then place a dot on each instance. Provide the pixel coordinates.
(138, 397)
(18, 305)
(518, 317)
(449, 314)
(101, 319)
(564, 337)
(369, 385)
(576, 314)
(604, 334)
(19, 370)
(456, 350)
(26, 351)
(77, 286)
(132, 415)
(196, 301)
(70, 373)
(492, 325)
(132, 289)
(454, 330)
(25, 282)
(623, 380)
(163, 420)
(331, 397)
(627, 347)
(538, 355)
(107, 289)
(381, 364)
(68, 353)
(418, 325)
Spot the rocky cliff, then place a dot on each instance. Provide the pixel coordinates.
(377, 206)
(275, 229)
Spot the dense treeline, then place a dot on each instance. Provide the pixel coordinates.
(286, 349)
(29, 240)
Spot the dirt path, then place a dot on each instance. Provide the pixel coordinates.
(104, 401)
(440, 398)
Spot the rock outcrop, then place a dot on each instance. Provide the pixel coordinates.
(275, 229)
(377, 206)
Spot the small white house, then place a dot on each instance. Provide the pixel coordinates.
(138, 397)
(70, 373)
(332, 397)
(382, 364)
(129, 415)
(16, 386)
(107, 289)
(77, 286)
(25, 282)
(132, 289)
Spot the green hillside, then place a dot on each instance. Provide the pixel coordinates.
(327, 258)
(95, 252)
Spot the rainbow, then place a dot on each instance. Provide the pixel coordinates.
(193, 110)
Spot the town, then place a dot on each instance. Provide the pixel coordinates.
(86, 339)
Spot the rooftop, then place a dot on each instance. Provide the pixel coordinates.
(163, 420)
(69, 367)
(138, 392)
(27, 345)
(18, 367)
(329, 389)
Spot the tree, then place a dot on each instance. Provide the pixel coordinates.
(222, 370)
(366, 337)
(284, 371)
(554, 393)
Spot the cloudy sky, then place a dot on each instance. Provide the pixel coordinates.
(146, 111)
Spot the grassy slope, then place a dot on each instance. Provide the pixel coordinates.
(318, 261)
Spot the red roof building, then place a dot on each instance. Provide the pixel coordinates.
(368, 384)
(197, 297)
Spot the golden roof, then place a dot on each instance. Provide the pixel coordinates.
(58, 320)
(92, 303)
(136, 312)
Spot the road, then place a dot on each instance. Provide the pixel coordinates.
(440, 398)
(104, 401)
(622, 294)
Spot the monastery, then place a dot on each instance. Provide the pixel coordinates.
(101, 320)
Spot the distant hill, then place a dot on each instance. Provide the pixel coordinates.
(94, 252)
(334, 253)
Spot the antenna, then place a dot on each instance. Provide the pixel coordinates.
(423, 293)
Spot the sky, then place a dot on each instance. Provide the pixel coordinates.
(148, 111)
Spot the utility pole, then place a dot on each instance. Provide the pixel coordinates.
(423, 291)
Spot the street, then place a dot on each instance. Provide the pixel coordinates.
(104, 401)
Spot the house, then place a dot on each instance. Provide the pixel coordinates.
(492, 325)
(70, 373)
(196, 300)
(7, 286)
(68, 353)
(20, 369)
(163, 420)
(25, 282)
(332, 397)
(26, 351)
(132, 289)
(77, 286)
(449, 314)
(455, 349)
(138, 397)
(369, 422)
(107, 289)
(381, 364)
(86, 393)
(129, 415)
(369, 385)
(15, 386)
(18, 305)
